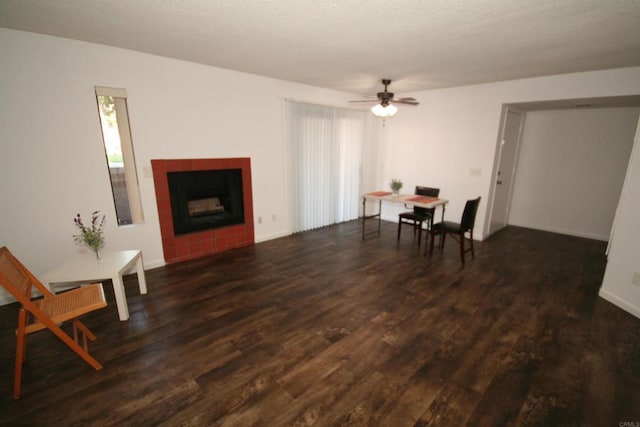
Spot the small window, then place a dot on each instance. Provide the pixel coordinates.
(116, 135)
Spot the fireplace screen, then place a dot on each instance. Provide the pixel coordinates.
(201, 200)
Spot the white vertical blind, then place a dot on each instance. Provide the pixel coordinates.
(325, 146)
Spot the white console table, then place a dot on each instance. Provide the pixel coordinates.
(84, 268)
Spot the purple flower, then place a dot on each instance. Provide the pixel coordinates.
(90, 236)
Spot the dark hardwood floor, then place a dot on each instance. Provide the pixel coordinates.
(322, 328)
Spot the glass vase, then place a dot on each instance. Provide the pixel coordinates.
(96, 251)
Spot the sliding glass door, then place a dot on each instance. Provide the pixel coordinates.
(325, 150)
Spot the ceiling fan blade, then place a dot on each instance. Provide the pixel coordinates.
(386, 97)
(405, 101)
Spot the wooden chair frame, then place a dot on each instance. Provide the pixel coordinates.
(48, 312)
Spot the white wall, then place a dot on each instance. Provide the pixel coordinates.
(571, 167)
(624, 250)
(52, 163)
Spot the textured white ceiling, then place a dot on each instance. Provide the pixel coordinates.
(349, 45)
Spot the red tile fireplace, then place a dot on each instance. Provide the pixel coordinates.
(182, 246)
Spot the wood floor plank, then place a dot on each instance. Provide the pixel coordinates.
(323, 328)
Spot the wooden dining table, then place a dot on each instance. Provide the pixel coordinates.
(408, 200)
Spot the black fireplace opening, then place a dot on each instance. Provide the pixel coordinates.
(201, 200)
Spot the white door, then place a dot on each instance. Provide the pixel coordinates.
(503, 184)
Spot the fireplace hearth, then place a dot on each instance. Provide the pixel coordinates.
(204, 206)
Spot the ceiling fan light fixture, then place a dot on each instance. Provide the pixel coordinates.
(384, 108)
(383, 112)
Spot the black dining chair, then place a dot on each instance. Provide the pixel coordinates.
(419, 215)
(458, 230)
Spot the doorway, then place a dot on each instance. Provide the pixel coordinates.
(546, 175)
(505, 172)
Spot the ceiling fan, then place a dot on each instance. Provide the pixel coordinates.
(385, 107)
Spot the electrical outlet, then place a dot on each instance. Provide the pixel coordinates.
(636, 279)
(259, 220)
(274, 218)
(475, 172)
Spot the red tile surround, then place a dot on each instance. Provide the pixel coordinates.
(201, 243)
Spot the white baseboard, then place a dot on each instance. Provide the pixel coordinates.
(619, 302)
(561, 231)
(271, 237)
(148, 265)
